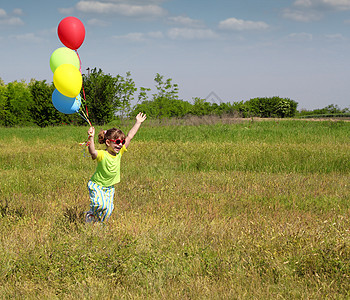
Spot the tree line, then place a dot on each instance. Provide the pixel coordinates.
(109, 97)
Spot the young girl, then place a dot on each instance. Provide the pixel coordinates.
(107, 174)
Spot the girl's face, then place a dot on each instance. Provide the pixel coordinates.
(114, 146)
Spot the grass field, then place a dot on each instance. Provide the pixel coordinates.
(251, 210)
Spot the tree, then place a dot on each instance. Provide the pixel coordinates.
(42, 110)
(18, 101)
(107, 95)
(331, 109)
(201, 107)
(125, 89)
(285, 108)
(165, 103)
(271, 107)
(166, 89)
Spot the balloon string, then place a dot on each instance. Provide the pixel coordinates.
(87, 112)
(87, 142)
(83, 115)
(76, 51)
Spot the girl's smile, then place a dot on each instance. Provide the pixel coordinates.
(115, 146)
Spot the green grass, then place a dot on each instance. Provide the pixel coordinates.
(252, 210)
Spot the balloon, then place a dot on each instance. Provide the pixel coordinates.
(65, 104)
(68, 80)
(71, 32)
(63, 55)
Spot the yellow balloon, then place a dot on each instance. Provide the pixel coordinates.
(68, 80)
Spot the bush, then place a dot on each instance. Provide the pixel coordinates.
(16, 102)
(42, 110)
(328, 111)
(273, 107)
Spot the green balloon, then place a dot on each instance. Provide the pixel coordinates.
(62, 56)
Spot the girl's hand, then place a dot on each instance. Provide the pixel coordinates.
(91, 131)
(141, 117)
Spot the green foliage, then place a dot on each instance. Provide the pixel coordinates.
(201, 107)
(165, 103)
(18, 100)
(273, 107)
(163, 108)
(29, 104)
(2, 102)
(166, 89)
(328, 111)
(107, 95)
(125, 89)
(100, 96)
(42, 110)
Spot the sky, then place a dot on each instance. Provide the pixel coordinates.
(219, 50)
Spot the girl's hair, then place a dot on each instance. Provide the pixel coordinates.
(113, 133)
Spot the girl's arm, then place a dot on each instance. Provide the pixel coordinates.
(139, 119)
(91, 144)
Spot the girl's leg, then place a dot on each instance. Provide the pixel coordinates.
(109, 206)
(96, 198)
(101, 201)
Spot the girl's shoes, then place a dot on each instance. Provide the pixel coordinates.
(89, 217)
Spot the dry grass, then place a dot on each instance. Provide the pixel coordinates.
(263, 215)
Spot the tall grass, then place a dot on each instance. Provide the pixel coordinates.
(212, 211)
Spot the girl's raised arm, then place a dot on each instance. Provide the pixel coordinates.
(91, 145)
(139, 119)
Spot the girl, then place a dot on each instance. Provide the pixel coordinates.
(107, 174)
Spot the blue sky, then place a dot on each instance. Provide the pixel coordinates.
(298, 49)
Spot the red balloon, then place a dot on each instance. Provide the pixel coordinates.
(71, 32)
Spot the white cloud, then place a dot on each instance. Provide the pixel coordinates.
(120, 8)
(97, 22)
(66, 11)
(314, 10)
(12, 21)
(301, 15)
(156, 35)
(240, 25)
(133, 37)
(137, 37)
(2, 13)
(5, 19)
(301, 36)
(186, 21)
(18, 11)
(324, 4)
(173, 33)
(191, 34)
(143, 2)
(335, 37)
(28, 37)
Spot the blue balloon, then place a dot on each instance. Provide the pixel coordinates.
(65, 104)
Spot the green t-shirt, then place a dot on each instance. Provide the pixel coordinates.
(108, 168)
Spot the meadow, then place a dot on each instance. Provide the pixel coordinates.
(211, 210)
